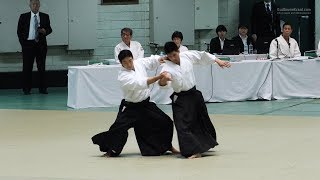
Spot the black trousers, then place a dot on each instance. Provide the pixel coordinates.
(31, 51)
(196, 133)
(152, 127)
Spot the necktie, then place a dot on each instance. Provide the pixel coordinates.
(268, 9)
(269, 12)
(36, 25)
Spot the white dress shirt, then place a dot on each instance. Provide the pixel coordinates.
(221, 43)
(32, 29)
(183, 48)
(182, 75)
(134, 82)
(266, 6)
(244, 40)
(284, 49)
(135, 48)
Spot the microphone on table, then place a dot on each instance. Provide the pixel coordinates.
(208, 46)
(153, 43)
(278, 48)
(289, 49)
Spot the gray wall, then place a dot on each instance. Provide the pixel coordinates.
(114, 17)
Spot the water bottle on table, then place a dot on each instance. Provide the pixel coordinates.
(246, 50)
(250, 49)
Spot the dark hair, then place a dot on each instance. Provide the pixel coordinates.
(221, 28)
(123, 54)
(170, 46)
(287, 24)
(177, 34)
(243, 26)
(126, 29)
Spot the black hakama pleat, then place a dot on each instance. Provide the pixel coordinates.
(196, 133)
(152, 127)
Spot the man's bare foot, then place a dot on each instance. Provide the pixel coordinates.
(195, 156)
(174, 150)
(106, 155)
(111, 153)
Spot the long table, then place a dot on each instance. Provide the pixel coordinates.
(245, 80)
(97, 86)
(296, 79)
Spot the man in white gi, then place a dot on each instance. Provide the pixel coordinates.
(284, 46)
(134, 46)
(196, 133)
(152, 127)
(177, 38)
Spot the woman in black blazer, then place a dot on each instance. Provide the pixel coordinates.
(217, 42)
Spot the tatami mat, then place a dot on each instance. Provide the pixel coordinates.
(55, 145)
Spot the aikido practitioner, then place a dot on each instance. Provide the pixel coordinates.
(196, 133)
(152, 127)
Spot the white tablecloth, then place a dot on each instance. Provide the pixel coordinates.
(93, 86)
(246, 80)
(97, 86)
(296, 79)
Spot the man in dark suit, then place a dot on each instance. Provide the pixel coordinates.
(265, 20)
(217, 43)
(242, 38)
(33, 27)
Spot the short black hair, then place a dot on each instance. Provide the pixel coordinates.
(170, 46)
(177, 34)
(221, 28)
(243, 26)
(287, 24)
(123, 54)
(126, 29)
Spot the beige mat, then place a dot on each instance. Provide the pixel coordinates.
(55, 145)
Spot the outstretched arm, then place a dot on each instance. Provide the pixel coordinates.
(222, 64)
(201, 57)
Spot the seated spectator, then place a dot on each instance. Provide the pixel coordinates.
(134, 46)
(177, 38)
(217, 43)
(243, 39)
(284, 46)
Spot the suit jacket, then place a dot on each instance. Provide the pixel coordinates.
(24, 25)
(263, 23)
(239, 41)
(215, 46)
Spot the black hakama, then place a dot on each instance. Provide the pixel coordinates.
(153, 129)
(196, 133)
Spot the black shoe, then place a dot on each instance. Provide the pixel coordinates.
(43, 91)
